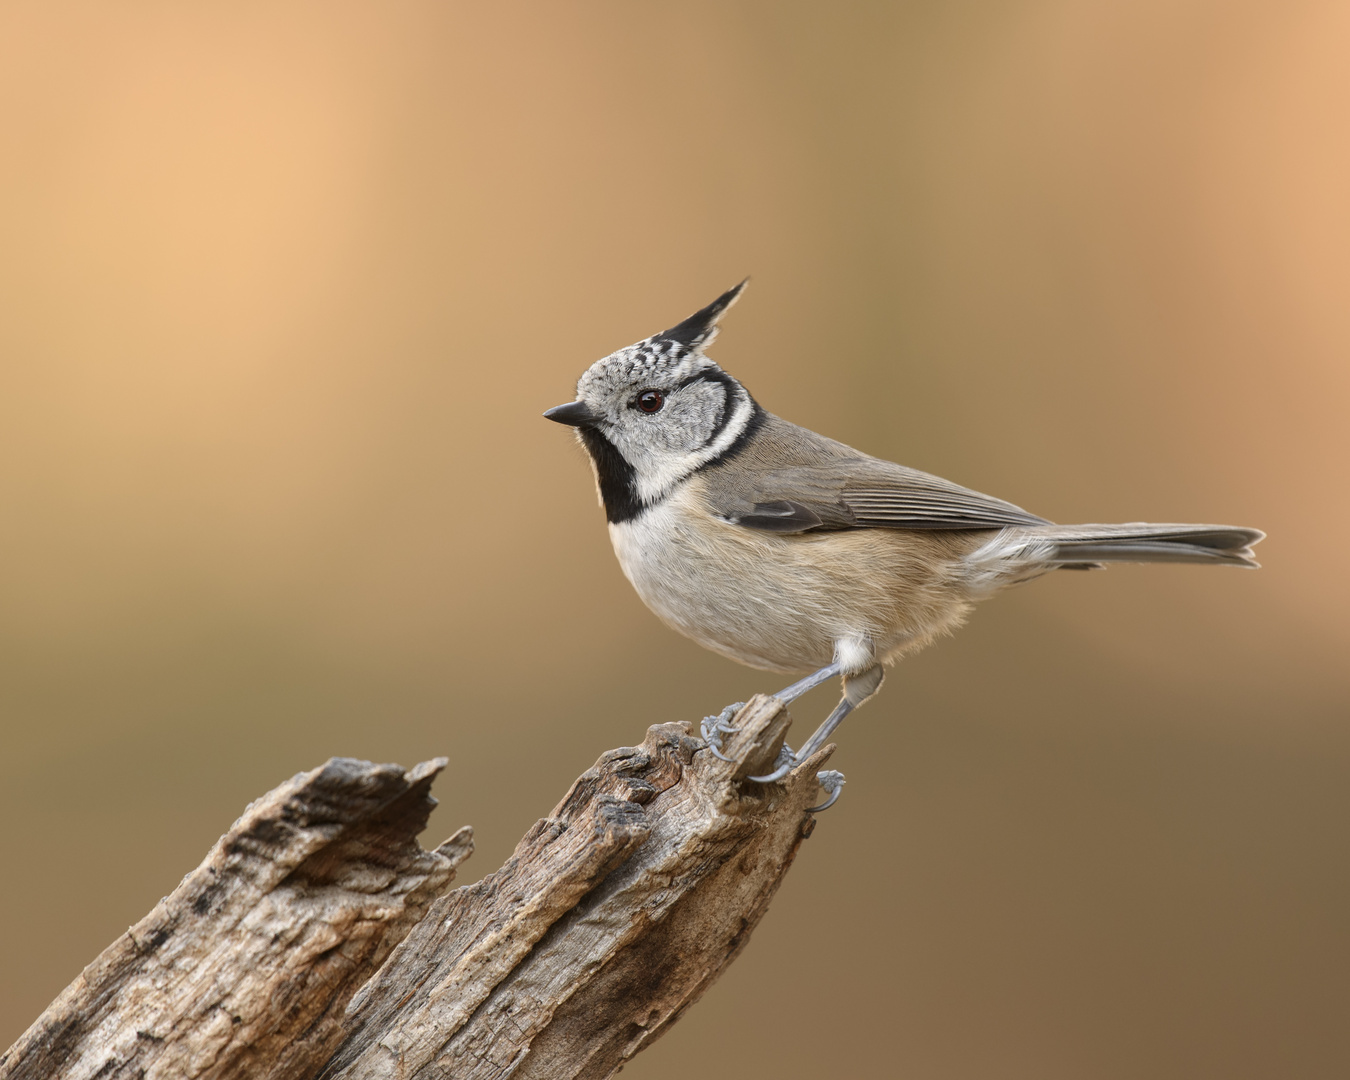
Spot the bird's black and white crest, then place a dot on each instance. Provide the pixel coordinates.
(655, 412)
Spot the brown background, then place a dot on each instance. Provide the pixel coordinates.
(284, 288)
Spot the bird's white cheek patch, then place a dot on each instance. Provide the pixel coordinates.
(658, 473)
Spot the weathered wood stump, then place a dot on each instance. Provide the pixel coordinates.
(319, 939)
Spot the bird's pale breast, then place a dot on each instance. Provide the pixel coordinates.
(781, 602)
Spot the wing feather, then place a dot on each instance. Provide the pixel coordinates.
(793, 480)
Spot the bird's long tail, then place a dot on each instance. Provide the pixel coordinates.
(1073, 546)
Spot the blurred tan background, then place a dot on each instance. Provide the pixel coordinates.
(284, 288)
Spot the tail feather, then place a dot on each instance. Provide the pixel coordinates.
(1076, 545)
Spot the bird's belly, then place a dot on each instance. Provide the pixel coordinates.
(782, 602)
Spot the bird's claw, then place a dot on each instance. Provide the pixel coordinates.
(722, 721)
(833, 782)
(713, 727)
(785, 763)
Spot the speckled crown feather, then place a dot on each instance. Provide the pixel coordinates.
(677, 352)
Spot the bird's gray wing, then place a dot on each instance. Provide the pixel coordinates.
(787, 478)
(808, 498)
(886, 495)
(792, 480)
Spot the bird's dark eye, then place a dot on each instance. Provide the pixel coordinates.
(650, 401)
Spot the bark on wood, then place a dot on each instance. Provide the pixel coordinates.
(247, 967)
(613, 916)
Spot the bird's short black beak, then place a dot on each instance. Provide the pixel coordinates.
(574, 414)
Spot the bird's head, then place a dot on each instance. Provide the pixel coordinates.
(653, 413)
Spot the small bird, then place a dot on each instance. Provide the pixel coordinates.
(788, 551)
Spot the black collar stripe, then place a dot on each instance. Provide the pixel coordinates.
(741, 441)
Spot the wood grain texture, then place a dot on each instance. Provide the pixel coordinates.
(246, 968)
(612, 917)
(615, 913)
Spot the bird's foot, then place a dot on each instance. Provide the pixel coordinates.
(833, 782)
(714, 727)
(786, 762)
(722, 721)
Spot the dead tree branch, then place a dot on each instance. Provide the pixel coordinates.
(318, 938)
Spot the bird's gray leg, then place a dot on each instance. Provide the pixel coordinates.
(786, 758)
(857, 689)
(797, 689)
(816, 741)
(714, 726)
